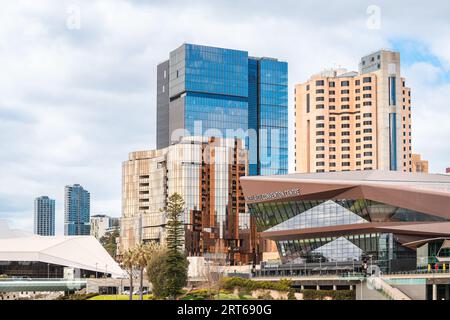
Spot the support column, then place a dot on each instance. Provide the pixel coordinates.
(447, 292)
(317, 287)
(334, 287)
(434, 291)
(351, 287)
(302, 287)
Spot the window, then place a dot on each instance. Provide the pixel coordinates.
(345, 83)
(320, 125)
(320, 99)
(357, 82)
(345, 164)
(332, 118)
(367, 88)
(346, 133)
(320, 118)
(332, 126)
(345, 125)
(345, 91)
(320, 140)
(332, 156)
(332, 84)
(331, 93)
(332, 100)
(345, 118)
(367, 96)
(320, 148)
(368, 130)
(367, 79)
(345, 107)
(367, 146)
(345, 141)
(308, 103)
(332, 107)
(320, 83)
(367, 115)
(320, 156)
(345, 156)
(367, 123)
(367, 103)
(320, 91)
(320, 106)
(345, 148)
(367, 161)
(320, 164)
(345, 99)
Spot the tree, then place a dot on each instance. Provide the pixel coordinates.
(128, 263)
(214, 269)
(108, 241)
(176, 261)
(141, 253)
(156, 268)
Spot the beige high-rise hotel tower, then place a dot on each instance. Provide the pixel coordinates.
(354, 120)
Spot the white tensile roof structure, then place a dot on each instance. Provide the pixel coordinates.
(82, 252)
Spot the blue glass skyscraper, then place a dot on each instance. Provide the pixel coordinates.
(44, 216)
(225, 93)
(76, 211)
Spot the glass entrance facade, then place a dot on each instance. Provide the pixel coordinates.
(352, 247)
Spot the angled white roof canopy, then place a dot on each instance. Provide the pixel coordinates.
(82, 252)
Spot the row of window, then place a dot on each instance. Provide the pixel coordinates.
(343, 164)
(347, 125)
(344, 83)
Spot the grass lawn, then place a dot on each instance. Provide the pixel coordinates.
(120, 297)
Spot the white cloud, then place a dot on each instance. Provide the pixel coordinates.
(73, 103)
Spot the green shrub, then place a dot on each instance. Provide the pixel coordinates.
(250, 285)
(311, 294)
(78, 296)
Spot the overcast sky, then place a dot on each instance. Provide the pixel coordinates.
(77, 78)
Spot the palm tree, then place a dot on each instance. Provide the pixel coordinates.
(141, 257)
(129, 263)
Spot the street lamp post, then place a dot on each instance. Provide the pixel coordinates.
(320, 266)
(96, 270)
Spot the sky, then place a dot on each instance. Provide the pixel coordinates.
(78, 78)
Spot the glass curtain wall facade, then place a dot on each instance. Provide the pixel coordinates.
(216, 92)
(44, 216)
(76, 211)
(205, 172)
(384, 249)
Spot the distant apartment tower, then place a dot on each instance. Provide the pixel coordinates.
(355, 121)
(205, 172)
(101, 224)
(76, 211)
(231, 95)
(44, 216)
(418, 164)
